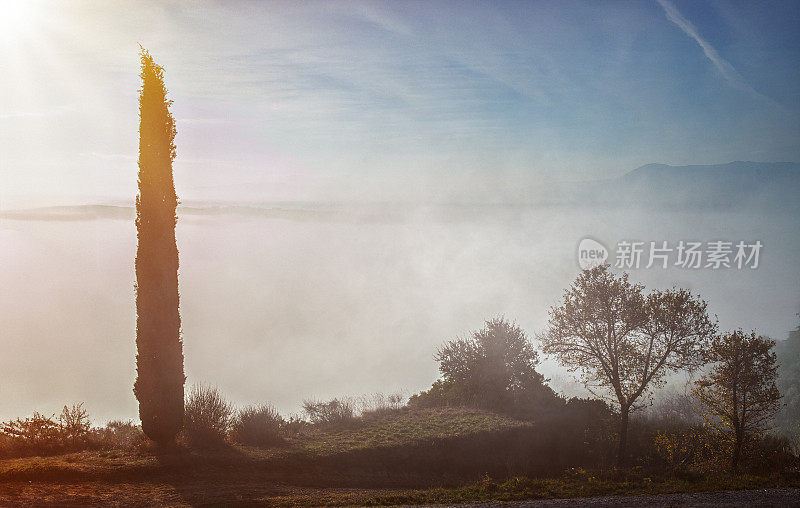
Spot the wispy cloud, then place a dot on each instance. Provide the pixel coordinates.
(380, 18)
(723, 66)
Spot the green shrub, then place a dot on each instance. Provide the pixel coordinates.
(333, 412)
(493, 369)
(257, 426)
(441, 394)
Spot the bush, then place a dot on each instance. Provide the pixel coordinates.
(37, 435)
(681, 448)
(207, 417)
(295, 426)
(771, 453)
(74, 425)
(333, 412)
(43, 435)
(257, 426)
(440, 394)
(703, 449)
(493, 369)
(116, 435)
(380, 404)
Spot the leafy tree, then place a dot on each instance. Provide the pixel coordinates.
(623, 342)
(739, 392)
(788, 418)
(159, 362)
(494, 369)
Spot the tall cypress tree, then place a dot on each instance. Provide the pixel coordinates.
(159, 359)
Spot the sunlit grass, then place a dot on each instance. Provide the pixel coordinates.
(405, 427)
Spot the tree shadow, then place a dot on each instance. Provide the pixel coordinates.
(217, 476)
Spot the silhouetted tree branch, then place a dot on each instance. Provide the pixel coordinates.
(623, 342)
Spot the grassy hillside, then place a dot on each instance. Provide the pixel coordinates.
(405, 427)
(404, 432)
(405, 456)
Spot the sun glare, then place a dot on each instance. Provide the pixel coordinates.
(17, 17)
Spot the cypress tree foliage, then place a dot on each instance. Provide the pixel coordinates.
(159, 359)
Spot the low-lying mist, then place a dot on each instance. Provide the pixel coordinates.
(282, 306)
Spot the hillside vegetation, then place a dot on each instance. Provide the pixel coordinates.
(406, 456)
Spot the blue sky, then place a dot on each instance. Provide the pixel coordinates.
(368, 101)
(392, 100)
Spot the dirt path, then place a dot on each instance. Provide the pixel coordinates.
(199, 492)
(731, 498)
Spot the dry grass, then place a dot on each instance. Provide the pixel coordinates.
(405, 427)
(368, 462)
(187, 490)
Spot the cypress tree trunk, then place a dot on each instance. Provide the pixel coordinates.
(159, 359)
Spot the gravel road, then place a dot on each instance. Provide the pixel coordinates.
(730, 498)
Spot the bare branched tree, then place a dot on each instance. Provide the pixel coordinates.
(622, 342)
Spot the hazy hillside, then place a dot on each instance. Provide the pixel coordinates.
(769, 186)
(733, 184)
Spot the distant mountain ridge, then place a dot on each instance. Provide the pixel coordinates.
(736, 176)
(760, 186)
(732, 170)
(765, 185)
